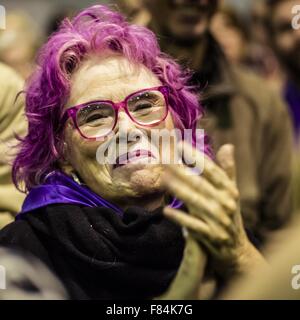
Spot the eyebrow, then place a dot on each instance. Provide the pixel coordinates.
(96, 98)
(100, 98)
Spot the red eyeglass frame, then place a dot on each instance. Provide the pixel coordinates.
(72, 112)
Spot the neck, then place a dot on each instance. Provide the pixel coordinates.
(148, 202)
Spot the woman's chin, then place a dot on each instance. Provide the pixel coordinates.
(140, 178)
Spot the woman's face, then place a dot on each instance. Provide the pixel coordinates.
(229, 37)
(113, 78)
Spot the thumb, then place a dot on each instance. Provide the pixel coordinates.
(225, 158)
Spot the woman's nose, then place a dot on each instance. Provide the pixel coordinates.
(126, 128)
(124, 122)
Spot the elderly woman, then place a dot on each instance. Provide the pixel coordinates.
(98, 224)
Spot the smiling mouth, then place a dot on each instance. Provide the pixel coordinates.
(132, 157)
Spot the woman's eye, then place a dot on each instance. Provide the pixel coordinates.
(143, 106)
(94, 117)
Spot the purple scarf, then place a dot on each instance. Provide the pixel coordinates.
(59, 188)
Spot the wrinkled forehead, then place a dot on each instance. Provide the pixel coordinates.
(109, 78)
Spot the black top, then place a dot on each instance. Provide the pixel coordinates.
(99, 255)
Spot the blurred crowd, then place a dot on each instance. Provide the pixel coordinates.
(247, 70)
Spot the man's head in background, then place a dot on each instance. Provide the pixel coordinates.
(285, 39)
(230, 31)
(185, 20)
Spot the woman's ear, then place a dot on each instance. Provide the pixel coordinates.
(64, 162)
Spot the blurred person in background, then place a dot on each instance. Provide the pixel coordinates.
(259, 12)
(240, 110)
(19, 42)
(232, 35)
(245, 44)
(261, 56)
(285, 40)
(11, 122)
(27, 278)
